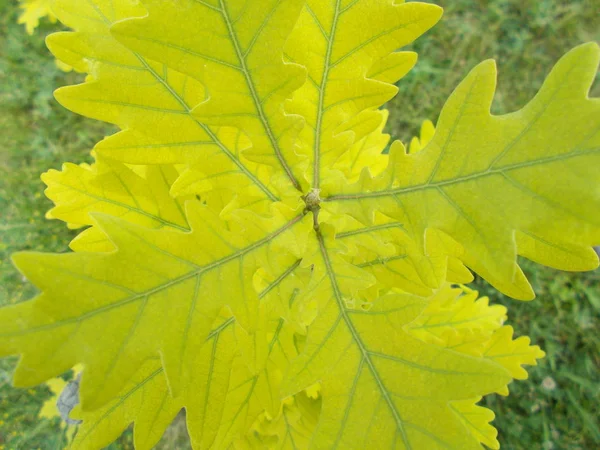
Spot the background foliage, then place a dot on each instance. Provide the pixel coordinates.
(555, 409)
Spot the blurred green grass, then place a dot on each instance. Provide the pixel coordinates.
(557, 408)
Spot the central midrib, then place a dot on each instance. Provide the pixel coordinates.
(322, 87)
(257, 104)
(365, 354)
(436, 185)
(187, 111)
(161, 287)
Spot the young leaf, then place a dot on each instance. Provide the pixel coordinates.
(110, 187)
(236, 52)
(448, 314)
(470, 325)
(292, 429)
(500, 185)
(149, 101)
(375, 373)
(244, 369)
(345, 47)
(477, 419)
(512, 354)
(387, 252)
(160, 292)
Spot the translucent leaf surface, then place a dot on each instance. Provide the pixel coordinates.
(375, 374)
(236, 53)
(501, 185)
(477, 419)
(149, 100)
(243, 368)
(112, 188)
(146, 400)
(449, 315)
(385, 250)
(147, 296)
(348, 50)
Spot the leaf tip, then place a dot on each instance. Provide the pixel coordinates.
(21, 260)
(62, 95)
(487, 66)
(592, 49)
(436, 11)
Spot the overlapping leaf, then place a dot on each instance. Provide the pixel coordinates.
(348, 49)
(236, 52)
(158, 293)
(336, 43)
(375, 374)
(110, 187)
(147, 401)
(457, 319)
(386, 250)
(499, 185)
(292, 429)
(450, 316)
(243, 368)
(152, 103)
